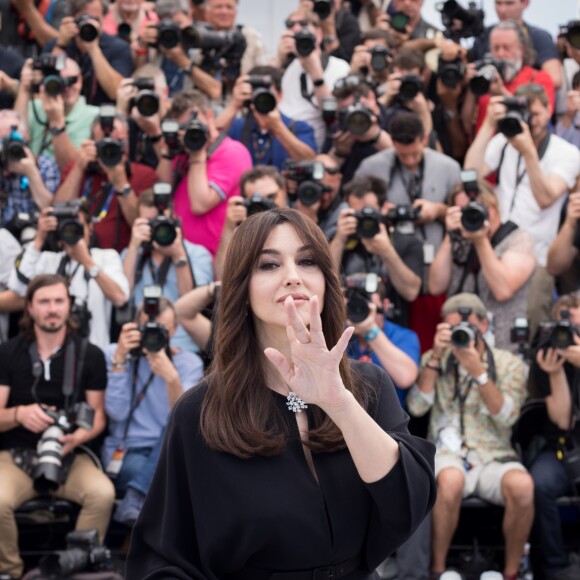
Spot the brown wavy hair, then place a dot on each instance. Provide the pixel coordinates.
(238, 416)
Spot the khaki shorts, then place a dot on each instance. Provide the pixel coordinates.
(483, 480)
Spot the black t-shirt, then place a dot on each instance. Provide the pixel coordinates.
(16, 373)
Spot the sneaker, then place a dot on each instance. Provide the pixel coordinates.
(451, 575)
(128, 510)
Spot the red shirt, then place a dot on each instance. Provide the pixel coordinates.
(101, 199)
(526, 75)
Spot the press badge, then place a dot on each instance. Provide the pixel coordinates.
(116, 463)
(428, 253)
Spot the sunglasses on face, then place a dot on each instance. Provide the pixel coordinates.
(292, 23)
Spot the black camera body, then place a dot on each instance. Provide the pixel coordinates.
(323, 8)
(571, 33)
(403, 213)
(399, 22)
(464, 333)
(381, 57)
(356, 118)
(558, 334)
(83, 552)
(109, 151)
(47, 471)
(451, 72)
(411, 86)
(517, 113)
(163, 228)
(358, 290)
(12, 148)
(368, 222)
(87, 29)
(229, 43)
(263, 98)
(257, 204)
(51, 66)
(154, 336)
(305, 42)
(69, 229)
(168, 34)
(487, 69)
(473, 216)
(308, 175)
(194, 138)
(146, 100)
(472, 19)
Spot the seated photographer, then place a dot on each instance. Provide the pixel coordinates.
(103, 176)
(94, 276)
(158, 254)
(557, 379)
(377, 338)
(358, 129)
(26, 184)
(363, 244)
(480, 254)
(40, 421)
(104, 60)
(261, 188)
(507, 69)
(162, 45)
(567, 126)
(534, 170)
(204, 166)
(145, 378)
(309, 75)
(59, 119)
(144, 100)
(474, 393)
(269, 136)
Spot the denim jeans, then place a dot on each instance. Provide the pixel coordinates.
(551, 481)
(141, 479)
(134, 462)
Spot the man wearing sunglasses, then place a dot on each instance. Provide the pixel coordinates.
(57, 124)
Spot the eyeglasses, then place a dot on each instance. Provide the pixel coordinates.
(350, 82)
(304, 22)
(529, 88)
(69, 81)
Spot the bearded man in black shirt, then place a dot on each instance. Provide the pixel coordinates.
(37, 381)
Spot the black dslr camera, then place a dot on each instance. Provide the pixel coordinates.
(109, 151)
(487, 70)
(47, 471)
(323, 8)
(368, 222)
(571, 33)
(263, 98)
(146, 100)
(69, 229)
(168, 34)
(474, 214)
(403, 213)
(51, 66)
(154, 336)
(305, 42)
(82, 553)
(195, 135)
(358, 290)
(12, 148)
(411, 86)
(87, 29)
(471, 19)
(451, 72)
(308, 175)
(356, 118)
(558, 334)
(163, 228)
(464, 333)
(380, 58)
(520, 335)
(257, 204)
(399, 22)
(517, 113)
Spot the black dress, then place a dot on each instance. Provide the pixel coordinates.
(209, 515)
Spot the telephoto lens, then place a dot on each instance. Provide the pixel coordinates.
(87, 29)
(305, 42)
(163, 230)
(462, 335)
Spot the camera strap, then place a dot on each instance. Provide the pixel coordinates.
(324, 59)
(136, 398)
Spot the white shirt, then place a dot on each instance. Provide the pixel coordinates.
(9, 250)
(295, 106)
(519, 204)
(35, 262)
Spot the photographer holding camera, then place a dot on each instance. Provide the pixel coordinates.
(557, 377)
(145, 379)
(474, 393)
(26, 184)
(59, 117)
(94, 276)
(103, 176)
(480, 254)
(158, 254)
(534, 169)
(104, 60)
(363, 244)
(42, 397)
(371, 58)
(204, 166)
(567, 126)
(309, 75)
(270, 136)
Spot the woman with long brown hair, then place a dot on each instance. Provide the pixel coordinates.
(287, 461)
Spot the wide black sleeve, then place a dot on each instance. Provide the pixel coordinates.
(164, 542)
(404, 497)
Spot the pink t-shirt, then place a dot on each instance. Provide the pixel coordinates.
(224, 169)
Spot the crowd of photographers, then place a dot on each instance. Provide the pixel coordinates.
(135, 136)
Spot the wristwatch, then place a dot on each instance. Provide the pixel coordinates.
(93, 271)
(124, 191)
(482, 379)
(54, 131)
(318, 82)
(180, 262)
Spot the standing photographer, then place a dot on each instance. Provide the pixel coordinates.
(480, 254)
(559, 384)
(35, 367)
(474, 393)
(94, 276)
